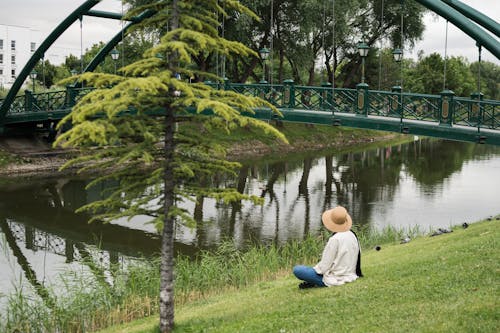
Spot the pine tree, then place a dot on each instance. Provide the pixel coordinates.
(127, 127)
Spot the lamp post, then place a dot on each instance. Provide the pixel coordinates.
(115, 55)
(362, 88)
(397, 106)
(264, 54)
(363, 52)
(33, 75)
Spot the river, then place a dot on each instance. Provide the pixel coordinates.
(424, 183)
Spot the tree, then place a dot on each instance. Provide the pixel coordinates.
(489, 74)
(134, 118)
(428, 76)
(47, 73)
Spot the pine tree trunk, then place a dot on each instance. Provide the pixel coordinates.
(167, 240)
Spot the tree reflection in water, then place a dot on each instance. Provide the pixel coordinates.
(38, 215)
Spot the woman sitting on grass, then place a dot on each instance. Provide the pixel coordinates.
(341, 259)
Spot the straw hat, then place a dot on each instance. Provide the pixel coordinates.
(337, 219)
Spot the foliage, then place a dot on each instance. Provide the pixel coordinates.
(490, 78)
(7, 158)
(428, 76)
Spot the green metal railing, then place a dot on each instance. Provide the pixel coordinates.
(319, 104)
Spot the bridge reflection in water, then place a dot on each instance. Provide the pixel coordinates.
(42, 235)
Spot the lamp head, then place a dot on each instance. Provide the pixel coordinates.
(363, 49)
(264, 53)
(115, 54)
(398, 55)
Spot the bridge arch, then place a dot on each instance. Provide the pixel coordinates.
(84, 9)
(461, 20)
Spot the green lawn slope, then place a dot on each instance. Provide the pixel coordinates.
(446, 283)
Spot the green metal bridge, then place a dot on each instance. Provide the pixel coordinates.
(445, 115)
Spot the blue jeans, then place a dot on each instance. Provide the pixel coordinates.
(308, 274)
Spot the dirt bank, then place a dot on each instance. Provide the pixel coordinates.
(35, 157)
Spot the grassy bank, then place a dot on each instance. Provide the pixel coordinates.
(447, 283)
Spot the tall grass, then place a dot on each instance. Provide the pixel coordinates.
(84, 304)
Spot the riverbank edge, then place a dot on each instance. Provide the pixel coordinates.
(46, 163)
(443, 283)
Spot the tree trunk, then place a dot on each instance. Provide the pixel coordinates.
(167, 240)
(167, 237)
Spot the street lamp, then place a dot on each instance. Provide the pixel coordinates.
(115, 55)
(363, 52)
(73, 72)
(33, 75)
(398, 57)
(264, 54)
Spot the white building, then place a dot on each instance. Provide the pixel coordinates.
(17, 44)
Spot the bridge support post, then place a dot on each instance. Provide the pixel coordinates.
(396, 104)
(28, 101)
(289, 94)
(475, 109)
(70, 96)
(264, 91)
(446, 109)
(326, 96)
(361, 107)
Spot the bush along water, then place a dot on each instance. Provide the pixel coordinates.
(88, 301)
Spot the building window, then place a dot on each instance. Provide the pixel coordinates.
(1, 71)
(13, 59)
(33, 47)
(13, 45)
(13, 74)
(1, 59)
(1, 44)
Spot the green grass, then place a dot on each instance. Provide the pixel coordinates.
(6, 159)
(296, 134)
(447, 283)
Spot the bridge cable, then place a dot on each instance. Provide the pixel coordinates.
(81, 45)
(445, 55)
(122, 41)
(333, 59)
(323, 30)
(43, 70)
(401, 68)
(402, 49)
(270, 57)
(271, 46)
(381, 47)
(479, 89)
(223, 36)
(217, 70)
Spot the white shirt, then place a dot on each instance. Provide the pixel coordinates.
(338, 262)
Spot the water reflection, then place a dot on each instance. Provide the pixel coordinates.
(425, 182)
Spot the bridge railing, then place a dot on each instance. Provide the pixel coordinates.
(477, 113)
(421, 107)
(46, 102)
(444, 109)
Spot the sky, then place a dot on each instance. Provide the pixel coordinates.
(44, 15)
